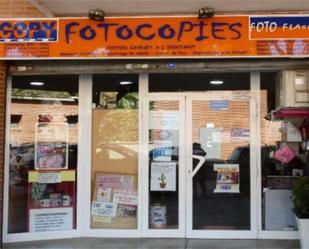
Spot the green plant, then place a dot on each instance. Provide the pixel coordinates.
(300, 197)
(162, 179)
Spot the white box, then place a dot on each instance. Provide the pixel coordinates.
(290, 133)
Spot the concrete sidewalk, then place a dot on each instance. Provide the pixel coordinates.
(85, 243)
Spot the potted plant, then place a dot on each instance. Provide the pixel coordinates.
(300, 198)
(162, 179)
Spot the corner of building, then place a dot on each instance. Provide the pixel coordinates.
(9, 9)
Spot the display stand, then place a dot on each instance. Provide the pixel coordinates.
(51, 204)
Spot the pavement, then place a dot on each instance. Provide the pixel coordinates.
(145, 243)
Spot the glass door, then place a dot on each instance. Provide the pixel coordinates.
(163, 167)
(219, 168)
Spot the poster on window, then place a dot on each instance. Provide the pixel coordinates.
(51, 146)
(162, 150)
(227, 178)
(163, 176)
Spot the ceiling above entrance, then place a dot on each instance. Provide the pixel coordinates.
(156, 7)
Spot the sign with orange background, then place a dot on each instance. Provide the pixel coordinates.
(155, 37)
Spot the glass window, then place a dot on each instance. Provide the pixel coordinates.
(279, 174)
(43, 153)
(182, 82)
(114, 151)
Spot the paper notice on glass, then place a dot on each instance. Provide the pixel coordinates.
(127, 181)
(114, 181)
(50, 219)
(216, 137)
(102, 219)
(240, 135)
(162, 150)
(53, 177)
(123, 196)
(163, 176)
(104, 194)
(164, 120)
(108, 209)
(227, 178)
(126, 211)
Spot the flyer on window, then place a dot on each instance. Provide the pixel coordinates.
(108, 209)
(163, 176)
(51, 145)
(164, 120)
(227, 178)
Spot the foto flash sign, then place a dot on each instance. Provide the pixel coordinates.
(277, 27)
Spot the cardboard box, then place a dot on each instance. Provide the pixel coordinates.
(115, 141)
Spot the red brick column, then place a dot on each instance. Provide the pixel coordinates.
(2, 133)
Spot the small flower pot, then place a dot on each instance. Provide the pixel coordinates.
(162, 185)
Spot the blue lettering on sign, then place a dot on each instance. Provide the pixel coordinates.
(219, 105)
(124, 32)
(145, 31)
(29, 31)
(141, 35)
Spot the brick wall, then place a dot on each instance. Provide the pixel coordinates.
(9, 8)
(237, 116)
(2, 122)
(18, 8)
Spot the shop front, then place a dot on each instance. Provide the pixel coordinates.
(175, 130)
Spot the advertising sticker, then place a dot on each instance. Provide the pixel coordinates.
(227, 178)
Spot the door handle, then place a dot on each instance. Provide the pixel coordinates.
(202, 160)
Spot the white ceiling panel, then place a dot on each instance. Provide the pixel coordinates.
(156, 7)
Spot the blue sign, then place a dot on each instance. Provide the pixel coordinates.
(29, 31)
(219, 105)
(171, 65)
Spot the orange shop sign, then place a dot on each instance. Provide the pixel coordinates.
(155, 37)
